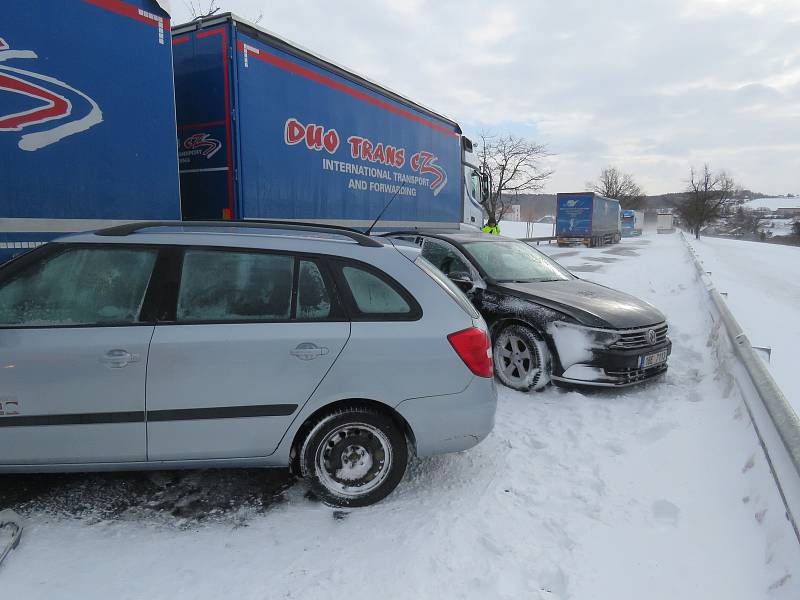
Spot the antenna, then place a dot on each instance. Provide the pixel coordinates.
(380, 214)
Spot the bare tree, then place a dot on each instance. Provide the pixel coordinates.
(707, 193)
(613, 183)
(514, 165)
(198, 12)
(749, 220)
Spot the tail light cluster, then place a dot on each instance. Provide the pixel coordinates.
(474, 347)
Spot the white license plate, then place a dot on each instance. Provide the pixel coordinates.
(652, 359)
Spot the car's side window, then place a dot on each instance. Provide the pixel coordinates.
(372, 294)
(79, 285)
(219, 285)
(444, 257)
(313, 296)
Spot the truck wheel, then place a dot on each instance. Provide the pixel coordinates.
(354, 457)
(521, 359)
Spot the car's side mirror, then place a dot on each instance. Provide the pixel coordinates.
(486, 186)
(462, 279)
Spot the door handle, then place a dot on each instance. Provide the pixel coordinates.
(309, 351)
(118, 358)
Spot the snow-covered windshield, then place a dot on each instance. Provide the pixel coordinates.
(513, 261)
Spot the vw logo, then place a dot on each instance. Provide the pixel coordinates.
(651, 336)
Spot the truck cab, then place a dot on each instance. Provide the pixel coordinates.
(476, 185)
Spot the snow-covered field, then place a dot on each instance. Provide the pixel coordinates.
(521, 229)
(764, 294)
(780, 226)
(773, 203)
(656, 492)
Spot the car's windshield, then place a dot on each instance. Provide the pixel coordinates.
(512, 261)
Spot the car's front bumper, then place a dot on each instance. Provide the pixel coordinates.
(615, 368)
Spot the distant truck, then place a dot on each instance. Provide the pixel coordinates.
(587, 218)
(632, 223)
(87, 118)
(267, 129)
(665, 222)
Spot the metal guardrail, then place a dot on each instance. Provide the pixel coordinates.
(547, 239)
(781, 414)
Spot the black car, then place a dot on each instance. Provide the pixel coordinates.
(546, 323)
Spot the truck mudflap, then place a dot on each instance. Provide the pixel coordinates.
(9, 522)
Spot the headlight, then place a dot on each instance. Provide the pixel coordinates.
(590, 337)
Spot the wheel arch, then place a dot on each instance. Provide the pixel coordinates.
(539, 330)
(376, 405)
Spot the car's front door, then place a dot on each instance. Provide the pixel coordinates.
(73, 355)
(252, 336)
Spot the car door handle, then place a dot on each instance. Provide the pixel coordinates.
(309, 351)
(118, 358)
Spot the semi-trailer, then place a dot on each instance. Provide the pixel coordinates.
(267, 129)
(587, 218)
(665, 222)
(632, 223)
(87, 118)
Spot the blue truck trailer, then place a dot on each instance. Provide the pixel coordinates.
(87, 118)
(267, 129)
(632, 223)
(587, 218)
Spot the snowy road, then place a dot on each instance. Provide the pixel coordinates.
(764, 294)
(658, 492)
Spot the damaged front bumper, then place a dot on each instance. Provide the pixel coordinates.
(616, 368)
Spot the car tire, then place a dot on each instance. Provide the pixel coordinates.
(521, 359)
(354, 457)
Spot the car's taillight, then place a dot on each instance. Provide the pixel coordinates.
(475, 349)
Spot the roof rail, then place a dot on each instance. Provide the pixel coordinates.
(358, 237)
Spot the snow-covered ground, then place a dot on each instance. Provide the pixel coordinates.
(764, 294)
(656, 492)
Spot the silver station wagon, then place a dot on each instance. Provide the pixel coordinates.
(176, 345)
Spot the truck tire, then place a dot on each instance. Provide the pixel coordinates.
(521, 359)
(354, 456)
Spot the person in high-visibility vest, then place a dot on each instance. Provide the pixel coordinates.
(491, 227)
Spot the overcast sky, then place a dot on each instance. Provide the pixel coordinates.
(651, 86)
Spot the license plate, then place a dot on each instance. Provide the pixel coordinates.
(652, 359)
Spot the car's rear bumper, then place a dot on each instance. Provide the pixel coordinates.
(615, 368)
(454, 422)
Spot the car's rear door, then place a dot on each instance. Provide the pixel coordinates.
(73, 355)
(252, 335)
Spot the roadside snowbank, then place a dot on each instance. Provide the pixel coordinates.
(763, 292)
(657, 492)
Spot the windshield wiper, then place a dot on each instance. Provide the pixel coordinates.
(525, 280)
